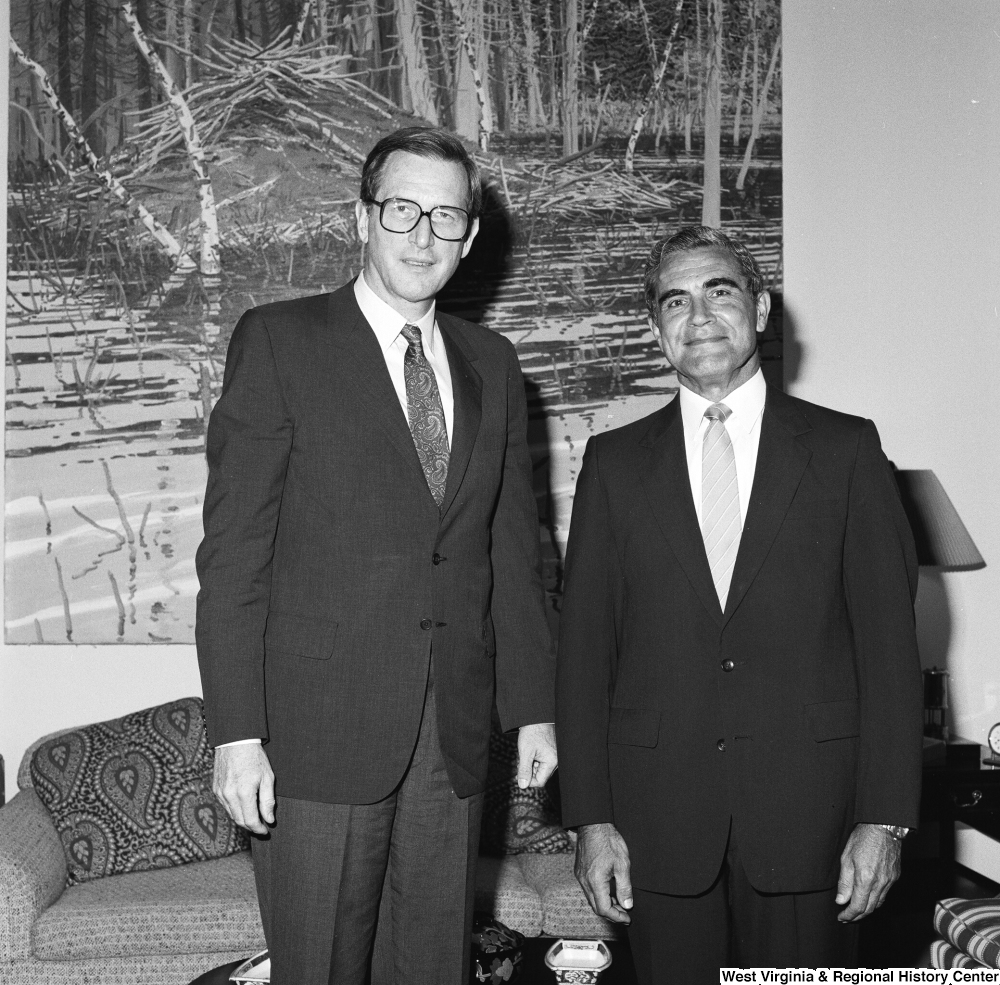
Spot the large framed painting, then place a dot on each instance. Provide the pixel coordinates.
(174, 162)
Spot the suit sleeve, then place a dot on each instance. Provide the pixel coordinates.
(525, 664)
(249, 441)
(880, 582)
(587, 652)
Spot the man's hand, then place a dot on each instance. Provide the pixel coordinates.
(602, 855)
(243, 779)
(536, 755)
(869, 865)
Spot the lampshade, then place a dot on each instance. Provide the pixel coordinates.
(941, 537)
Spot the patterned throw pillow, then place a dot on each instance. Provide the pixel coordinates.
(135, 793)
(517, 821)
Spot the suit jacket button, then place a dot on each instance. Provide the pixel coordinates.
(425, 624)
(721, 745)
(727, 665)
(437, 559)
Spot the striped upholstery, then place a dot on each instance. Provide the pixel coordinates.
(945, 955)
(971, 926)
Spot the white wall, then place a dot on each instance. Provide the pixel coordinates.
(892, 261)
(45, 688)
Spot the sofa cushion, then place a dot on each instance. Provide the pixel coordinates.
(566, 910)
(189, 909)
(515, 820)
(134, 793)
(945, 955)
(502, 890)
(972, 926)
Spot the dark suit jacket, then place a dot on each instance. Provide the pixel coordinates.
(328, 573)
(816, 723)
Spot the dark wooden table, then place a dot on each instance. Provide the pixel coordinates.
(958, 787)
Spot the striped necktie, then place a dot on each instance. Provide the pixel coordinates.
(426, 414)
(720, 500)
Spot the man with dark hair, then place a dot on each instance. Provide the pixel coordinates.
(369, 586)
(738, 697)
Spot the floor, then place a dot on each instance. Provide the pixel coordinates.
(896, 936)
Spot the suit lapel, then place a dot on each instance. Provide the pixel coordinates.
(362, 370)
(668, 488)
(781, 461)
(467, 386)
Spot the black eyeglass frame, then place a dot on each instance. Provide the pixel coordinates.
(402, 232)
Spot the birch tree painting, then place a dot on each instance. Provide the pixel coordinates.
(174, 162)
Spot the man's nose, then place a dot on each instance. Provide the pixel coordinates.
(701, 311)
(422, 235)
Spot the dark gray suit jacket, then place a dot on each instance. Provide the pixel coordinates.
(328, 572)
(796, 712)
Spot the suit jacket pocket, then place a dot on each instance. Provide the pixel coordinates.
(834, 720)
(303, 636)
(634, 727)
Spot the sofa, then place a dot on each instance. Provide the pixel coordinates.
(169, 925)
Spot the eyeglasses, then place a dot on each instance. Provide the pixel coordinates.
(400, 215)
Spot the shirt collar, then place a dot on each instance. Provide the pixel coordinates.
(385, 321)
(746, 402)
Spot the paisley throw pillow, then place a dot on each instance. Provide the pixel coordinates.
(135, 793)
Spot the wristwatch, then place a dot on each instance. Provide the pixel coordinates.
(897, 831)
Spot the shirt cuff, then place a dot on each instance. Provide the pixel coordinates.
(237, 742)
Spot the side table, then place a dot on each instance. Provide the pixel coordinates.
(957, 787)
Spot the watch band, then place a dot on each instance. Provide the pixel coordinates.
(897, 831)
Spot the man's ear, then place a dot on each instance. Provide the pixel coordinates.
(467, 245)
(361, 215)
(653, 327)
(763, 310)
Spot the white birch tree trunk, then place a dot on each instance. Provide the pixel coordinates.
(571, 78)
(416, 76)
(196, 154)
(654, 88)
(711, 193)
(175, 64)
(322, 26)
(758, 116)
(300, 26)
(536, 110)
(740, 90)
(156, 229)
(550, 61)
(471, 67)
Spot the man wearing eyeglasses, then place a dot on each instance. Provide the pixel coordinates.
(369, 585)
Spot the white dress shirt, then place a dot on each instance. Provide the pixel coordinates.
(387, 324)
(747, 405)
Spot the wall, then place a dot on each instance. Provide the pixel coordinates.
(44, 688)
(892, 262)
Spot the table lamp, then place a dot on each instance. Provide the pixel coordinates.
(943, 543)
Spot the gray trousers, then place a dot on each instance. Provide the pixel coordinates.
(379, 893)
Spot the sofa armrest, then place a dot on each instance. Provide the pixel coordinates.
(32, 871)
